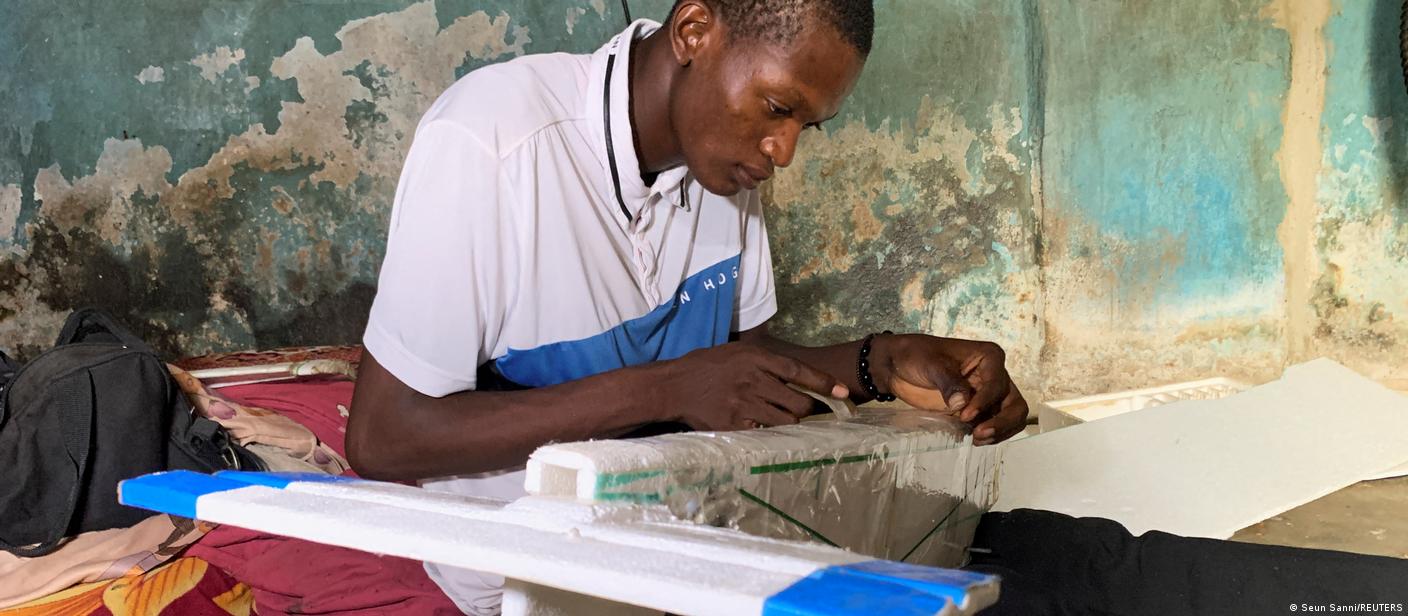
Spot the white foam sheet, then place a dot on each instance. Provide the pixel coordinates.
(1207, 468)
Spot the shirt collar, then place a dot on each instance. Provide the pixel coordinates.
(634, 192)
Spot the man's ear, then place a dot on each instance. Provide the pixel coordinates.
(693, 27)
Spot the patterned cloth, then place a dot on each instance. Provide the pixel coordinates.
(184, 587)
(96, 556)
(283, 443)
(252, 424)
(292, 576)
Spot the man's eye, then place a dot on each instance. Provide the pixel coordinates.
(779, 110)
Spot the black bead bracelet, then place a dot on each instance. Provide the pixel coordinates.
(863, 370)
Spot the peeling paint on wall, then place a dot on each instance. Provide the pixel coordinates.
(214, 64)
(151, 74)
(890, 229)
(916, 212)
(1122, 194)
(274, 238)
(9, 211)
(1357, 242)
(1161, 193)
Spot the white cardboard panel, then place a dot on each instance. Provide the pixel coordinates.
(1397, 471)
(1207, 468)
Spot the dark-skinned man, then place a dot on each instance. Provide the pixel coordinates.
(576, 238)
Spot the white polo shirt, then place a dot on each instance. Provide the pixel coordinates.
(508, 243)
(509, 248)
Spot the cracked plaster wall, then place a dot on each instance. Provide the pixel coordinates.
(1121, 193)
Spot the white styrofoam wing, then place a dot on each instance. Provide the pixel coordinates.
(554, 549)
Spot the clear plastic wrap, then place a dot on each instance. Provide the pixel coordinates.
(902, 485)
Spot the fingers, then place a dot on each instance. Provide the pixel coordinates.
(763, 415)
(991, 385)
(1006, 423)
(792, 371)
(793, 401)
(945, 392)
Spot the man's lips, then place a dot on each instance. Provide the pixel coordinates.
(750, 177)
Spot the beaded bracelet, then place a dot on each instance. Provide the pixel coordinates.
(863, 370)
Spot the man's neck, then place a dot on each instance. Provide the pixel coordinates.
(653, 69)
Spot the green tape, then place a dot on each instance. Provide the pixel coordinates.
(931, 532)
(647, 498)
(616, 480)
(818, 536)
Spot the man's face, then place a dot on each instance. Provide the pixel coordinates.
(741, 104)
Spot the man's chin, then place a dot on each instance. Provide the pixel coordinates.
(723, 187)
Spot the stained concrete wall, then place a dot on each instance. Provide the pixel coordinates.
(1162, 193)
(1121, 193)
(1356, 261)
(1193, 188)
(916, 210)
(220, 173)
(1223, 189)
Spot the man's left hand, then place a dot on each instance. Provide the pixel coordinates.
(966, 378)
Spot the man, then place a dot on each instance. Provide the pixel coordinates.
(577, 238)
(575, 241)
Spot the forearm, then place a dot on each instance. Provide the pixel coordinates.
(395, 433)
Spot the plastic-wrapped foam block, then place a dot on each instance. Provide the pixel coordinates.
(896, 484)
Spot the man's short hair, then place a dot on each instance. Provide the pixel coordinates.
(779, 21)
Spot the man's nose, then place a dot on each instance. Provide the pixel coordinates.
(781, 146)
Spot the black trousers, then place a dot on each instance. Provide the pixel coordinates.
(1056, 564)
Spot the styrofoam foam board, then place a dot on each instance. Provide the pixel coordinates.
(892, 483)
(625, 554)
(1062, 413)
(1208, 468)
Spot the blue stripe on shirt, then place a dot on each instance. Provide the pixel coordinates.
(698, 316)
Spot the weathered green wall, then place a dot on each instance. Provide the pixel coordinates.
(1161, 190)
(1121, 193)
(1192, 188)
(1359, 261)
(915, 210)
(220, 174)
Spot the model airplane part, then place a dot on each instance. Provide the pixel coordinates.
(560, 553)
(896, 484)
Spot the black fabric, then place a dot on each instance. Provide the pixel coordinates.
(98, 408)
(488, 378)
(1056, 564)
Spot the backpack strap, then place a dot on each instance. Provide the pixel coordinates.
(8, 368)
(94, 325)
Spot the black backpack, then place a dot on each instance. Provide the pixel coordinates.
(98, 408)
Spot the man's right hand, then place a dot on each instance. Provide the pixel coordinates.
(738, 386)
